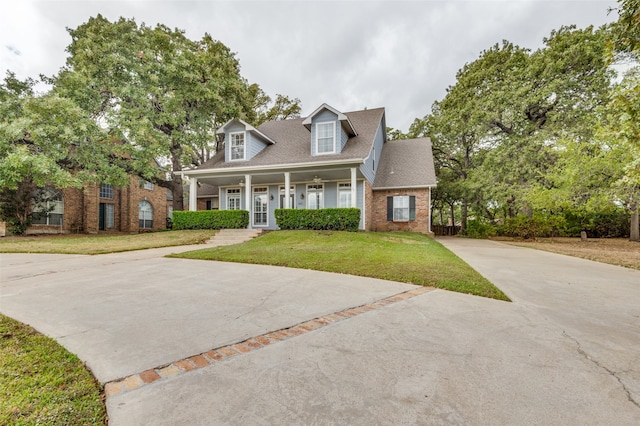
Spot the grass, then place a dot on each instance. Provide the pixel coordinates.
(615, 251)
(42, 383)
(404, 257)
(100, 244)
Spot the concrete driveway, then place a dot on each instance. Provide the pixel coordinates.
(193, 342)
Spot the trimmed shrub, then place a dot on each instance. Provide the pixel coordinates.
(479, 229)
(210, 219)
(321, 219)
(532, 227)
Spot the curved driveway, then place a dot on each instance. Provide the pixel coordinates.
(566, 351)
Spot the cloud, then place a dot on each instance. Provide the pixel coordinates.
(13, 50)
(350, 54)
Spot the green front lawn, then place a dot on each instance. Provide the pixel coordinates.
(100, 244)
(42, 383)
(405, 257)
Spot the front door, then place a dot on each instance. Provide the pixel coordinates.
(101, 216)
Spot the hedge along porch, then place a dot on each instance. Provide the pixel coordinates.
(328, 159)
(262, 193)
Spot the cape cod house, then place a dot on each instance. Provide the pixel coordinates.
(328, 159)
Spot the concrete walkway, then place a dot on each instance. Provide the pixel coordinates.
(566, 351)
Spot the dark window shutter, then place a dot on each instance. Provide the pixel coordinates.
(390, 208)
(412, 207)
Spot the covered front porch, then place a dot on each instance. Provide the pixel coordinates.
(261, 192)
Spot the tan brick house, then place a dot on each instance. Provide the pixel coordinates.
(141, 206)
(328, 159)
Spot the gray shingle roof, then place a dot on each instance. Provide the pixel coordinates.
(406, 163)
(293, 142)
(206, 190)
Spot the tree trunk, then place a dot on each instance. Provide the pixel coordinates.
(463, 219)
(178, 192)
(176, 178)
(634, 234)
(453, 216)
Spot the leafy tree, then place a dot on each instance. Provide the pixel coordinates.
(498, 128)
(282, 108)
(159, 93)
(46, 140)
(396, 134)
(624, 109)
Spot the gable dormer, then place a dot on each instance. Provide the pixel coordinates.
(330, 130)
(242, 140)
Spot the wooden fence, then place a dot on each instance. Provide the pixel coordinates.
(443, 230)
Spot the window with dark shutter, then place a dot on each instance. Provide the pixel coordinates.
(390, 209)
(412, 207)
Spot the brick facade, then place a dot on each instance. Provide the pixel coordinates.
(368, 206)
(379, 211)
(202, 203)
(82, 209)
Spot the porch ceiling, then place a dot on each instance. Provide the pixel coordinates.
(307, 175)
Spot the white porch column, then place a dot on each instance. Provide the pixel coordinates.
(247, 198)
(287, 187)
(193, 194)
(353, 187)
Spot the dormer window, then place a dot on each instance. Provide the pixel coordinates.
(326, 137)
(237, 146)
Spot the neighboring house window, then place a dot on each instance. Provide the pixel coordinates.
(233, 199)
(145, 215)
(148, 185)
(170, 211)
(260, 206)
(401, 208)
(237, 146)
(48, 207)
(315, 196)
(106, 191)
(344, 195)
(109, 215)
(325, 138)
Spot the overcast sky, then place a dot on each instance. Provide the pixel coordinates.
(401, 55)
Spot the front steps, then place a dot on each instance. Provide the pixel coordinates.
(226, 237)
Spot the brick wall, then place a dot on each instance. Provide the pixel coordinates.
(368, 206)
(82, 209)
(158, 199)
(202, 203)
(73, 219)
(379, 211)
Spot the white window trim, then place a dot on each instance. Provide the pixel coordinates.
(109, 219)
(144, 220)
(338, 193)
(259, 190)
(244, 148)
(106, 191)
(148, 185)
(56, 206)
(233, 194)
(408, 208)
(307, 195)
(333, 126)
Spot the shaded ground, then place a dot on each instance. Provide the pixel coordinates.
(615, 251)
